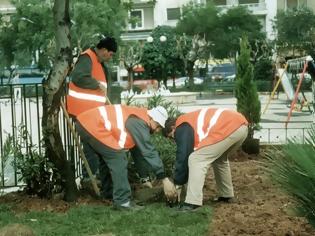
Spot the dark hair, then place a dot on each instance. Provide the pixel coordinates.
(168, 126)
(109, 43)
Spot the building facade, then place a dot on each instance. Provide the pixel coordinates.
(167, 12)
(6, 8)
(152, 13)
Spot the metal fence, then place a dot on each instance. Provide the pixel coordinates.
(20, 114)
(21, 106)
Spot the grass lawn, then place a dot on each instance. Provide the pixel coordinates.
(155, 219)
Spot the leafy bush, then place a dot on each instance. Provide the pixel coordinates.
(292, 167)
(37, 172)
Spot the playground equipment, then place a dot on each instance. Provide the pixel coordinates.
(295, 66)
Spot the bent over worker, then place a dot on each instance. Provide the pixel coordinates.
(205, 137)
(111, 131)
(88, 86)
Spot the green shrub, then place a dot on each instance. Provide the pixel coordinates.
(246, 90)
(292, 167)
(39, 175)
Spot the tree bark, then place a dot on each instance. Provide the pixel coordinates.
(51, 99)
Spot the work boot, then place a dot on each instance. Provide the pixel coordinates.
(187, 207)
(129, 206)
(224, 200)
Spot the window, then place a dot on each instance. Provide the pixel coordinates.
(136, 19)
(296, 3)
(292, 3)
(248, 1)
(219, 2)
(173, 13)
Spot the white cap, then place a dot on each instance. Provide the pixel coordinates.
(158, 114)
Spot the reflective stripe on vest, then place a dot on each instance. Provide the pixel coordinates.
(107, 124)
(80, 99)
(86, 96)
(121, 126)
(212, 125)
(201, 121)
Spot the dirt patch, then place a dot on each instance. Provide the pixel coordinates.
(260, 208)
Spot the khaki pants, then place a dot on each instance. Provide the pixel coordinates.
(217, 155)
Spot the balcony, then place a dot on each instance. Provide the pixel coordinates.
(256, 8)
(140, 1)
(7, 10)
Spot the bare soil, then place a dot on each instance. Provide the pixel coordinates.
(260, 209)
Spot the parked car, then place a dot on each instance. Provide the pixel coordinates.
(223, 72)
(183, 81)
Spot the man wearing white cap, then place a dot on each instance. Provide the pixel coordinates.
(113, 130)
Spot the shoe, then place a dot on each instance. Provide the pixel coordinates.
(224, 200)
(130, 206)
(186, 207)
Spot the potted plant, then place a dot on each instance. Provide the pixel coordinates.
(247, 96)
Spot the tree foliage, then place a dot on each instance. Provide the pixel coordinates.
(29, 37)
(88, 21)
(130, 55)
(34, 38)
(295, 31)
(235, 23)
(246, 90)
(159, 57)
(222, 31)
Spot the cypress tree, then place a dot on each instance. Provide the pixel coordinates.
(246, 90)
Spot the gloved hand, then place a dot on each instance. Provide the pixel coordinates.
(146, 182)
(178, 191)
(169, 190)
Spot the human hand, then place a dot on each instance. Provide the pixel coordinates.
(169, 190)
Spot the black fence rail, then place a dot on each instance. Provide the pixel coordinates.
(21, 106)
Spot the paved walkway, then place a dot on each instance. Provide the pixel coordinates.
(272, 122)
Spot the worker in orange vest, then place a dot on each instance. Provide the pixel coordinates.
(205, 137)
(88, 87)
(111, 131)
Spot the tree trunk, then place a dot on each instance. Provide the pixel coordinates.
(51, 99)
(190, 73)
(130, 78)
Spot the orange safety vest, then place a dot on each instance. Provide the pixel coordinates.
(212, 125)
(107, 124)
(79, 99)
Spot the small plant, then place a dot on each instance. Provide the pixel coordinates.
(158, 100)
(292, 167)
(37, 172)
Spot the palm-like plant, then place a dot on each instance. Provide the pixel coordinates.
(292, 167)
